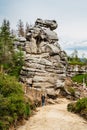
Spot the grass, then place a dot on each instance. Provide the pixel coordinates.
(76, 63)
(79, 78)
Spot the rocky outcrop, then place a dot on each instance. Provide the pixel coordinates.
(45, 62)
(52, 24)
(73, 70)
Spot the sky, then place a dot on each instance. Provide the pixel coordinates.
(71, 16)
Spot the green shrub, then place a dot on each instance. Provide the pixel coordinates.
(71, 107)
(76, 63)
(79, 107)
(27, 110)
(13, 106)
(72, 91)
(79, 78)
(81, 104)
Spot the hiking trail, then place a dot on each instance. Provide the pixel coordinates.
(55, 117)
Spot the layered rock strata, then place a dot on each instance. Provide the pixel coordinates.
(76, 69)
(45, 62)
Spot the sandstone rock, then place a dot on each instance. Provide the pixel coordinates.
(76, 69)
(77, 94)
(35, 66)
(47, 78)
(31, 46)
(27, 69)
(59, 84)
(45, 63)
(68, 82)
(51, 93)
(33, 32)
(50, 101)
(42, 85)
(52, 49)
(29, 80)
(42, 47)
(42, 55)
(21, 39)
(51, 35)
(42, 61)
(52, 24)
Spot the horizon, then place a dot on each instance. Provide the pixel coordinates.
(70, 15)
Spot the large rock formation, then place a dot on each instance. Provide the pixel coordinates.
(45, 62)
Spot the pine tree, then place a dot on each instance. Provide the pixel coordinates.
(6, 45)
(27, 28)
(20, 28)
(10, 60)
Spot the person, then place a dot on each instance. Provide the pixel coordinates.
(43, 99)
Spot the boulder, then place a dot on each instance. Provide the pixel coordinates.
(31, 46)
(22, 39)
(59, 84)
(51, 35)
(52, 49)
(51, 93)
(52, 24)
(77, 94)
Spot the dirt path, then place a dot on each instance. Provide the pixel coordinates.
(55, 117)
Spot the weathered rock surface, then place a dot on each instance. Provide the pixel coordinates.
(52, 24)
(45, 62)
(76, 69)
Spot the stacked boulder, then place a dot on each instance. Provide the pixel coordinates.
(45, 62)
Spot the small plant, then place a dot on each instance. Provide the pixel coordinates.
(72, 91)
(71, 107)
(79, 107)
(79, 78)
(81, 104)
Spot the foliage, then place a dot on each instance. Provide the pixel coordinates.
(73, 62)
(79, 107)
(11, 60)
(71, 107)
(6, 45)
(72, 91)
(17, 63)
(12, 103)
(79, 78)
(81, 104)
